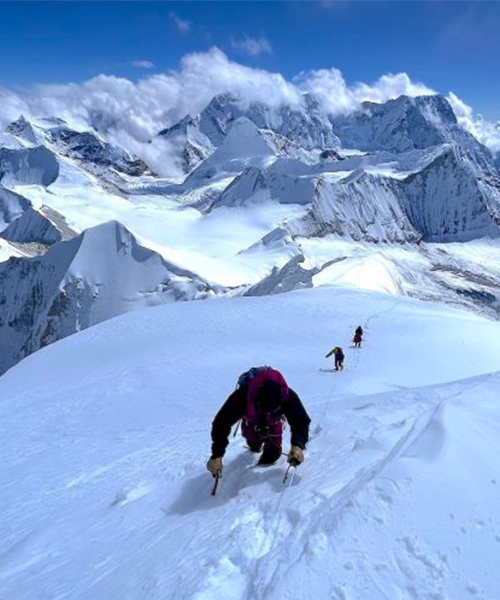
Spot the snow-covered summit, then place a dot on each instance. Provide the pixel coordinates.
(407, 123)
(23, 129)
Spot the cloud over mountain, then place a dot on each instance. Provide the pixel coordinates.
(131, 113)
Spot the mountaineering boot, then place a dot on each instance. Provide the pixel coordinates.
(270, 455)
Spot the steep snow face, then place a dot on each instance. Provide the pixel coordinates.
(12, 206)
(44, 226)
(26, 166)
(260, 185)
(445, 201)
(247, 146)
(397, 498)
(244, 146)
(99, 274)
(397, 125)
(360, 206)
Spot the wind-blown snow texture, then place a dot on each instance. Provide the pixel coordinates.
(105, 435)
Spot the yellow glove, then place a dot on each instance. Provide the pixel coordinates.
(214, 465)
(296, 456)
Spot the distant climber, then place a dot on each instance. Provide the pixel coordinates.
(358, 337)
(262, 401)
(338, 355)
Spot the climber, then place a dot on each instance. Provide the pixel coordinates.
(338, 354)
(262, 401)
(358, 337)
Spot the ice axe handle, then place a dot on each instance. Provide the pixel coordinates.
(291, 465)
(216, 482)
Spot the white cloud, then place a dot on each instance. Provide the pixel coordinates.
(486, 132)
(132, 113)
(183, 25)
(252, 46)
(11, 107)
(143, 64)
(336, 97)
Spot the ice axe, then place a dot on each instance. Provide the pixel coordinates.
(217, 476)
(291, 465)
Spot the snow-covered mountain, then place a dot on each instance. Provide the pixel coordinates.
(405, 171)
(200, 134)
(99, 274)
(407, 123)
(87, 148)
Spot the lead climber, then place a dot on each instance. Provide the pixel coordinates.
(358, 336)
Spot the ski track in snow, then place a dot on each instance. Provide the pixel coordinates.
(110, 498)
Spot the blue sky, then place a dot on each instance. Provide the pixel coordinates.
(447, 45)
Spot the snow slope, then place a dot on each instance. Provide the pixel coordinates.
(105, 435)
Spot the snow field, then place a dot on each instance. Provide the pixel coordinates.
(105, 435)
